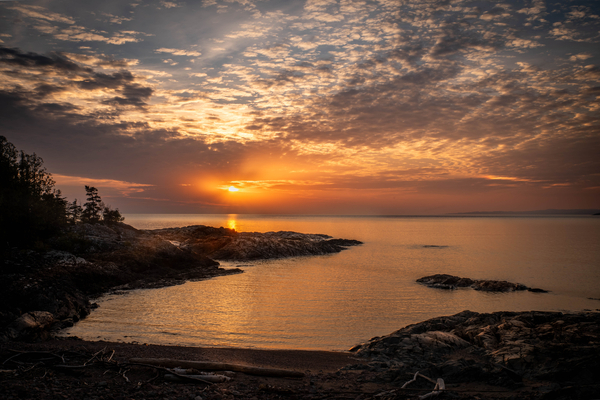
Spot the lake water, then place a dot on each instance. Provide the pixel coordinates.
(335, 301)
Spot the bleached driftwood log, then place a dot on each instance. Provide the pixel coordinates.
(439, 385)
(215, 366)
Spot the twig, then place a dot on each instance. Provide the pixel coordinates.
(439, 385)
(155, 376)
(123, 375)
(94, 356)
(33, 366)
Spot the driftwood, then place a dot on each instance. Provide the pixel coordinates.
(215, 366)
(204, 378)
(439, 385)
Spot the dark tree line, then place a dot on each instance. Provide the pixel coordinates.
(31, 209)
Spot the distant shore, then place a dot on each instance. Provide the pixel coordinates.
(549, 212)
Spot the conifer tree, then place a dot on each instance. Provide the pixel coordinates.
(111, 216)
(75, 212)
(92, 209)
(30, 208)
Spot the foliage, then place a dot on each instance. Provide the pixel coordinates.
(111, 216)
(74, 212)
(92, 209)
(30, 208)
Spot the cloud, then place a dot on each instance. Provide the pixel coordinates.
(383, 98)
(169, 4)
(11, 56)
(177, 52)
(114, 19)
(81, 34)
(124, 188)
(56, 74)
(41, 13)
(132, 95)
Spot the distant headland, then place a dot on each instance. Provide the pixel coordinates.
(535, 212)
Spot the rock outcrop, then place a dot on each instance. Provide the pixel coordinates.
(500, 348)
(444, 281)
(91, 259)
(227, 244)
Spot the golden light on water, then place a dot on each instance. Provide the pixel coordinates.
(231, 222)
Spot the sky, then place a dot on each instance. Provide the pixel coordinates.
(308, 107)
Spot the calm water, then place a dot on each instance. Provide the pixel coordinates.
(336, 301)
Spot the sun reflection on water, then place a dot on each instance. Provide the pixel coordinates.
(231, 221)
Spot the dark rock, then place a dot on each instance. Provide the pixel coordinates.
(227, 244)
(537, 290)
(30, 325)
(500, 348)
(444, 281)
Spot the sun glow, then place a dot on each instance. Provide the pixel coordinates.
(233, 189)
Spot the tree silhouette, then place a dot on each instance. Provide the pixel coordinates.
(30, 208)
(111, 216)
(75, 212)
(92, 209)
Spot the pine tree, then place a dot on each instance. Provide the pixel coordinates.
(75, 212)
(92, 209)
(111, 216)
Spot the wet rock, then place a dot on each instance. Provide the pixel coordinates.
(444, 281)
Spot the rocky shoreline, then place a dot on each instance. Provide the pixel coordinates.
(502, 355)
(47, 290)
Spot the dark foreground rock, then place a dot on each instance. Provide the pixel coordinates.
(444, 281)
(529, 355)
(561, 352)
(41, 291)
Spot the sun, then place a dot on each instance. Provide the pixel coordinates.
(233, 189)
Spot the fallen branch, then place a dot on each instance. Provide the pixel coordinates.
(214, 366)
(439, 385)
(417, 374)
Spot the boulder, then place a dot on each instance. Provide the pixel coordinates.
(500, 348)
(30, 325)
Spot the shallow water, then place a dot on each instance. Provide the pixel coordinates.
(336, 301)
